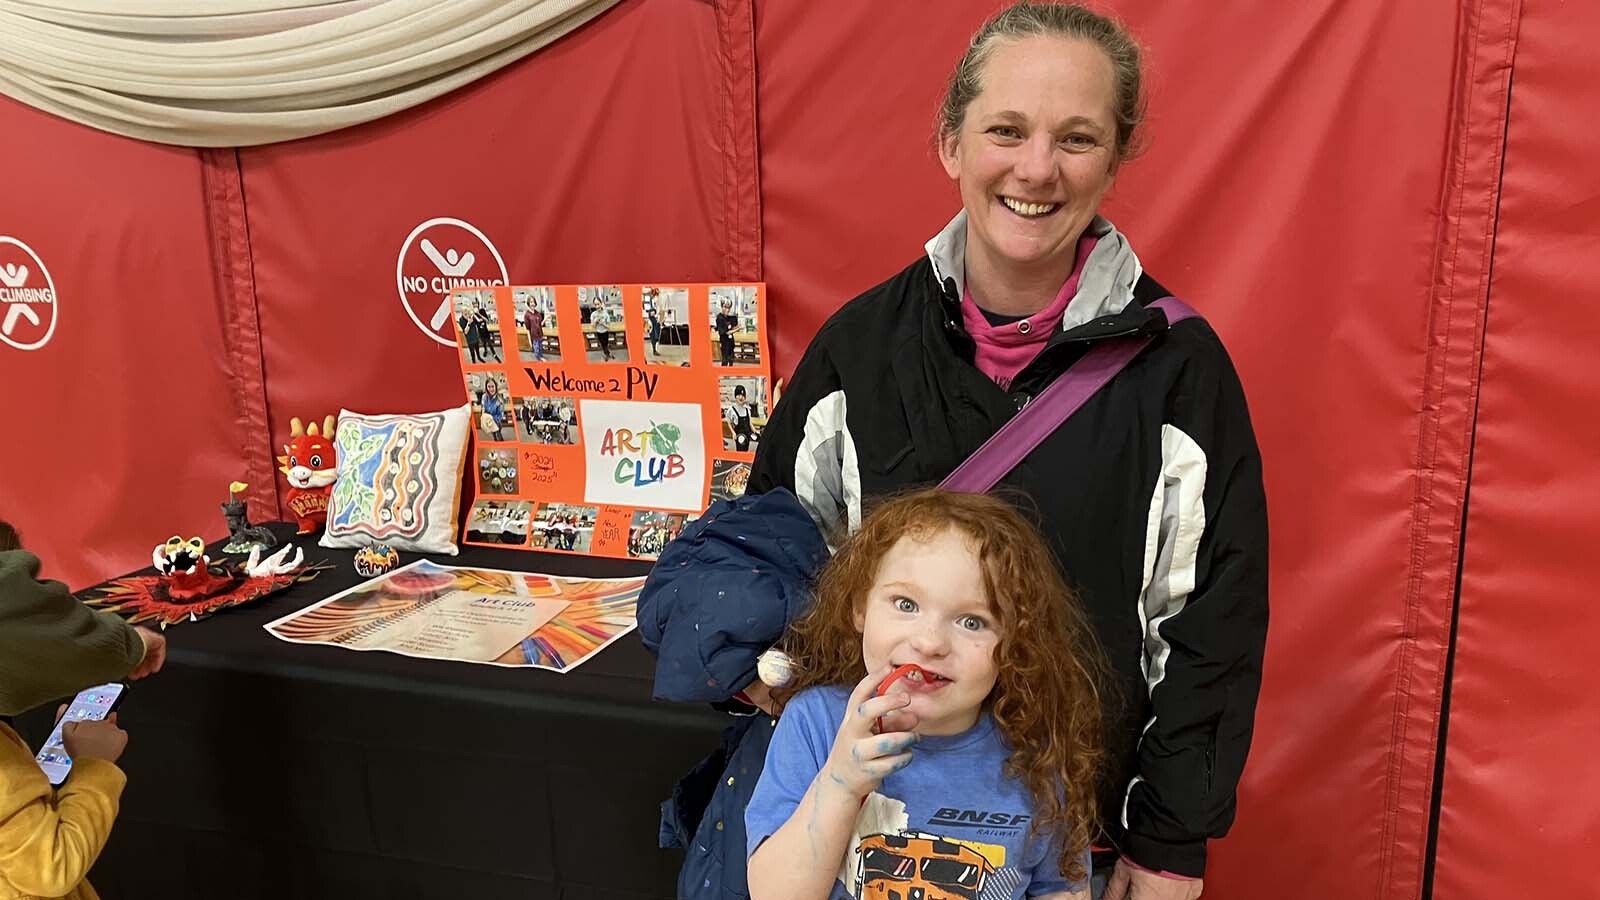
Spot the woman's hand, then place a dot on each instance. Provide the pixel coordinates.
(155, 653)
(861, 760)
(94, 740)
(1129, 882)
(760, 696)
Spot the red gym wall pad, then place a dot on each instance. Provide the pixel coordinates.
(1518, 814)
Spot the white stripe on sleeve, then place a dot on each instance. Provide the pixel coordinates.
(1176, 521)
(827, 478)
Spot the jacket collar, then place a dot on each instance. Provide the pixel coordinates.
(1105, 288)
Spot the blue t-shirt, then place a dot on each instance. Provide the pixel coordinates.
(493, 405)
(951, 822)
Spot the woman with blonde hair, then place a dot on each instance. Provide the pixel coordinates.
(1150, 495)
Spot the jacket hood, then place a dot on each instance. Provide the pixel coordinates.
(1105, 288)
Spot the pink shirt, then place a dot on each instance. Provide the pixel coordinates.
(1005, 350)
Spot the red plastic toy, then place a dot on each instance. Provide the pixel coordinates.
(888, 682)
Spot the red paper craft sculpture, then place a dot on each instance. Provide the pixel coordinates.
(187, 586)
(311, 464)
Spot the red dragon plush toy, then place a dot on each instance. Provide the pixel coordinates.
(311, 464)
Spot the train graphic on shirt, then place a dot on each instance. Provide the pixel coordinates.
(916, 866)
(890, 859)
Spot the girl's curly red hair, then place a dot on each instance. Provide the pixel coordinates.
(1048, 697)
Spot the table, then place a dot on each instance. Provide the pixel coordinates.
(258, 768)
(619, 337)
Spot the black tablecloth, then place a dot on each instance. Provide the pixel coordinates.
(262, 768)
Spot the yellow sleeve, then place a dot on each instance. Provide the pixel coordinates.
(50, 839)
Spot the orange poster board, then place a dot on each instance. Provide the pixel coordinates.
(606, 417)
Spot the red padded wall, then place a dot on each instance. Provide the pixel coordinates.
(125, 426)
(613, 153)
(1290, 192)
(1518, 816)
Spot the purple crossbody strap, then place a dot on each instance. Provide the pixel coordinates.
(1054, 405)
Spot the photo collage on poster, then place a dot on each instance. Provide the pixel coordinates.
(606, 417)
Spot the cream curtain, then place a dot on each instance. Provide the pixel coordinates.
(227, 73)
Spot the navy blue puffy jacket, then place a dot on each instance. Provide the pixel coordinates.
(720, 594)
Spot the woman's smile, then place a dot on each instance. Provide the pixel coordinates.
(1028, 210)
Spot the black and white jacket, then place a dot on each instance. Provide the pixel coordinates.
(1151, 496)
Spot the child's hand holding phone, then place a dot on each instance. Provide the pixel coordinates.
(861, 760)
(86, 728)
(94, 739)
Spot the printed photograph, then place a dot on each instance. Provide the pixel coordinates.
(491, 406)
(477, 326)
(734, 341)
(538, 334)
(497, 470)
(729, 478)
(499, 522)
(606, 336)
(564, 526)
(650, 531)
(744, 412)
(547, 420)
(666, 326)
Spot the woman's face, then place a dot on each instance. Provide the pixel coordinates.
(1036, 151)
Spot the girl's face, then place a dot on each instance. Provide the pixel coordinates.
(928, 606)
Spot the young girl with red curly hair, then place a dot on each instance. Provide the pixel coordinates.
(943, 726)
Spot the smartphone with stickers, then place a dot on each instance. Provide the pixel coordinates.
(91, 704)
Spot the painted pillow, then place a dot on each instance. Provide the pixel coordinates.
(399, 480)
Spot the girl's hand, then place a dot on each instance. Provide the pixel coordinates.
(860, 760)
(95, 740)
